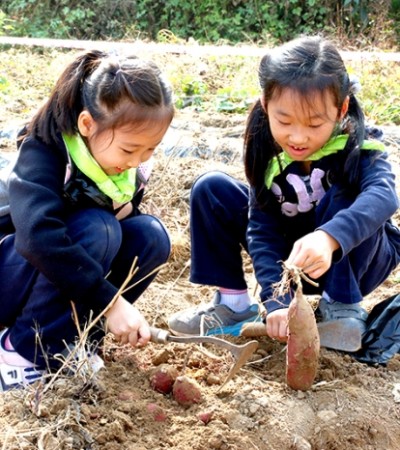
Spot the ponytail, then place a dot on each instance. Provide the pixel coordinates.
(115, 92)
(259, 148)
(60, 112)
(355, 127)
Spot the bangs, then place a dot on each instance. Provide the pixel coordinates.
(309, 91)
(133, 116)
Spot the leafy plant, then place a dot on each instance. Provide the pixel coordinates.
(230, 100)
(217, 21)
(191, 92)
(6, 24)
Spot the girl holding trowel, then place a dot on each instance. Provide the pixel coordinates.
(72, 228)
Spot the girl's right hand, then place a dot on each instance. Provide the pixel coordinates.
(313, 253)
(277, 324)
(127, 324)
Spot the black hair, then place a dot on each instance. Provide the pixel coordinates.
(306, 65)
(116, 92)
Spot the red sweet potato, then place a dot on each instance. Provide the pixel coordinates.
(163, 378)
(205, 416)
(157, 412)
(303, 344)
(186, 391)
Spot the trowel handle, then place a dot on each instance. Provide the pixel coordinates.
(254, 329)
(158, 335)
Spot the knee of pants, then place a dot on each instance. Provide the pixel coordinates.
(207, 183)
(211, 192)
(217, 196)
(98, 231)
(159, 240)
(150, 234)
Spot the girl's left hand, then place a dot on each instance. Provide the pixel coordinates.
(313, 253)
(277, 325)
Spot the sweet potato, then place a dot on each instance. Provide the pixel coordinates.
(157, 412)
(186, 391)
(163, 378)
(303, 344)
(205, 416)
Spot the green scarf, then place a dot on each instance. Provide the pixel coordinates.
(120, 188)
(334, 145)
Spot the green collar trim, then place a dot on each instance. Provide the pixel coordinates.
(334, 145)
(120, 188)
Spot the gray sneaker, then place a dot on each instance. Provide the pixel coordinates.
(212, 318)
(340, 311)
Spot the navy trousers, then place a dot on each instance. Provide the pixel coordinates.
(219, 218)
(30, 303)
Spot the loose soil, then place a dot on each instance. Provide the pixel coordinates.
(350, 405)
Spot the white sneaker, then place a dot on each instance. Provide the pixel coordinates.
(15, 370)
(83, 361)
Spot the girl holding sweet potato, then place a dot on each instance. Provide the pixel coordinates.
(321, 198)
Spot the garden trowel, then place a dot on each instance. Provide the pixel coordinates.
(341, 334)
(241, 353)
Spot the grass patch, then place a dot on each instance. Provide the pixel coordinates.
(215, 83)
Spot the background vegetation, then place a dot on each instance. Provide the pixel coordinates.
(214, 83)
(361, 22)
(220, 84)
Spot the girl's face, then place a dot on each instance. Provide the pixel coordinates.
(300, 126)
(123, 148)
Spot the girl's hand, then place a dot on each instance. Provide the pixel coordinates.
(127, 324)
(277, 324)
(313, 253)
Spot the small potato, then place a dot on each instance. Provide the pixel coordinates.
(163, 378)
(157, 412)
(186, 391)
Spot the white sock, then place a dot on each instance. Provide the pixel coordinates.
(236, 300)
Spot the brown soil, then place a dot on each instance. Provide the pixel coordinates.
(350, 405)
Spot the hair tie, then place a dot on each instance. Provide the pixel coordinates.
(114, 64)
(355, 85)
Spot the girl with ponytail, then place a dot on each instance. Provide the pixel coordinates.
(73, 227)
(321, 198)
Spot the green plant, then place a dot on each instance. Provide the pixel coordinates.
(4, 86)
(6, 24)
(86, 19)
(380, 92)
(191, 92)
(217, 21)
(229, 84)
(230, 100)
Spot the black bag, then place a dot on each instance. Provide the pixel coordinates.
(381, 340)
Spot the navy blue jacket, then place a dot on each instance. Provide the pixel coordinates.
(292, 212)
(40, 205)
